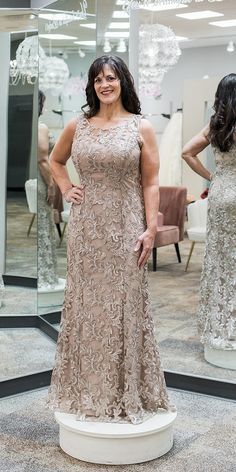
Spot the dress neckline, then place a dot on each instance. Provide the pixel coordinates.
(123, 122)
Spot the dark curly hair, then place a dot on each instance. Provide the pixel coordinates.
(223, 122)
(129, 97)
(42, 98)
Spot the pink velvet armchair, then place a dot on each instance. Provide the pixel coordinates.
(171, 218)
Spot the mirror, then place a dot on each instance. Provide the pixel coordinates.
(180, 109)
(18, 243)
(68, 38)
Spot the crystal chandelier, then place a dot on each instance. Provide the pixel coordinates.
(25, 67)
(53, 75)
(135, 4)
(158, 52)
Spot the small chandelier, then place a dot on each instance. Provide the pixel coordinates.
(25, 67)
(53, 75)
(135, 4)
(158, 52)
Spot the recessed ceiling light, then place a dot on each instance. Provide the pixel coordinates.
(89, 25)
(197, 15)
(120, 2)
(119, 25)
(55, 16)
(182, 38)
(117, 34)
(86, 43)
(224, 24)
(171, 6)
(56, 36)
(120, 14)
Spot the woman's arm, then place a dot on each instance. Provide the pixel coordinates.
(150, 186)
(58, 158)
(192, 148)
(43, 148)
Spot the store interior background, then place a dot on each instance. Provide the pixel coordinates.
(189, 85)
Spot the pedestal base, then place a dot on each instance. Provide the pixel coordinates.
(116, 443)
(225, 358)
(52, 296)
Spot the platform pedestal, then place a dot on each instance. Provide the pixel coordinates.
(225, 358)
(52, 296)
(116, 443)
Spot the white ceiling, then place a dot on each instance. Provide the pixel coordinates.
(199, 32)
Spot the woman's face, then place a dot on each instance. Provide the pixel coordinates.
(107, 86)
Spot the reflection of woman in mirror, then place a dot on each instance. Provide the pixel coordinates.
(217, 309)
(47, 262)
(107, 363)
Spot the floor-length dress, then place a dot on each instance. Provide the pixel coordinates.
(107, 363)
(47, 257)
(217, 308)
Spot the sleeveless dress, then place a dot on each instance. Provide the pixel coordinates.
(107, 364)
(47, 256)
(217, 307)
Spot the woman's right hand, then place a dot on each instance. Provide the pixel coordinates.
(74, 194)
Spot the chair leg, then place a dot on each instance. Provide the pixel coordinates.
(31, 224)
(58, 229)
(177, 251)
(154, 259)
(190, 254)
(62, 234)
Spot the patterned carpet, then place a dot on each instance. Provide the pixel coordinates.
(204, 438)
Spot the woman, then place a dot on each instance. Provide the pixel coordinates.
(47, 259)
(107, 363)
(217, 308)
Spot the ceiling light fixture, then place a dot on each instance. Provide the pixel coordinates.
(224, 23)
(86, 43)
(230, 47)
(107, 46)
(117, 34)
(57, 36)
(119, 25)
(198, 15)
(81, 53)
(134, 4)
(121, 46)
(89, 25)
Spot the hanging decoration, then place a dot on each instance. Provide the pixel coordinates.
(53, 75)
(158, 52)
(25, 67)
(135, 4)
(75, 85)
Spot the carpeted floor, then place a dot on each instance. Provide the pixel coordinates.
(204, 434)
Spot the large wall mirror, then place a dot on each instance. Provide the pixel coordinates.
(67, 35)
(18, 162)
(178, 110)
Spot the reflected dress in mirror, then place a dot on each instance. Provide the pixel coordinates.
(217, 308)
(47, 258)
(107, 364)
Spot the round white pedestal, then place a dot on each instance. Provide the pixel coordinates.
(52, 296)
(225, 358)
(116, 443)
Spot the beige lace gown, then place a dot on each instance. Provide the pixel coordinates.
(107, 363)
(217, 307)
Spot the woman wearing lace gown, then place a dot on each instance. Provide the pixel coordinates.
(217, 307)
(47, 258)
(107, 364)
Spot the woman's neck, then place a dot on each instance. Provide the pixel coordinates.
(111, 112)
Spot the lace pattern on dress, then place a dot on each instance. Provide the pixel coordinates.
(107, 363)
